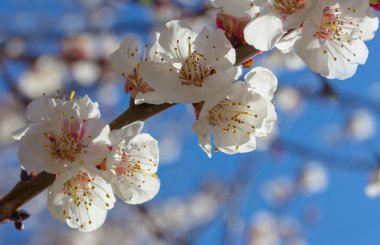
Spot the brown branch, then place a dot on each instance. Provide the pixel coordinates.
(25, 190)
(138, 112)
(244, 53)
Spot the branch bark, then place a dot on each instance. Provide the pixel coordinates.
(25, 190)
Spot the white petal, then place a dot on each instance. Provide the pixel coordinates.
(138, 189)
(203, 131)
(369, 25)
(125, 58)
(264, 32)
(126, 133)
(268, 123)
(87, 108)
(40, 109)
(286, 44)
(96, 138)
(167, 86)
(177, 35)
(262, 81)
(216, 48)
(33, 153)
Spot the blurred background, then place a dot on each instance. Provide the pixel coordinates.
(315, 180)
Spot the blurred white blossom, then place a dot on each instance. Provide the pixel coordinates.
(362, 125)
(47, 76)
(267, 229)
(313, 178)
(279, 190)
(372, 189)
(86, 73)
(289, 99)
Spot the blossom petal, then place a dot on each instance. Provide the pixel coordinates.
(264, 32)
(262, 81)
(126, 133)
(125, 58)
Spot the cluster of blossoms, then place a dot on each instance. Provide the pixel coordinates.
(328, 35)
(66, 138)
(184, 66)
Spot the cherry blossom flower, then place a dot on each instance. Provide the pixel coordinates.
(241, 8)
(81, 197)
(132, 164)
(276, 18)
(332, 40)
(62, 133)
(237, 117)
(125, 60)
(190, 67)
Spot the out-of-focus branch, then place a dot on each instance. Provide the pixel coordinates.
(25, 190)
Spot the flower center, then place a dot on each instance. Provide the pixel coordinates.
(135, 83)
(288, 7)
(232, 117)
(126, 166)
(335, 30)
(80, 189)
(194, 70)
(70, 142)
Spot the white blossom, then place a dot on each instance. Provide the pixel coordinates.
(189, 67)
(275, 20)
(62, 133)
(81, 197)
(132, 164)
(332, 40)
(237, 117)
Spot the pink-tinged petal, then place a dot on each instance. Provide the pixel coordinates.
(132, 169)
